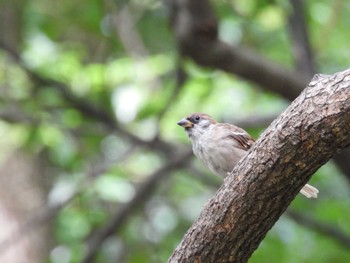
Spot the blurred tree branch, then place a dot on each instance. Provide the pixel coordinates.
(194, 25)
(44, 215)
(40, 218)
(101, 115)
(195, 28)
(11, 27)
(234, 222)
(87, 108)
(143, 193)
(124, 23)
(300, 39)
(319, 227)
(24, 173)
(12, 114)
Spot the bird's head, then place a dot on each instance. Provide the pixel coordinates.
(196, 124)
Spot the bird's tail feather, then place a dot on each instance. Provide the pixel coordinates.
(309, 191)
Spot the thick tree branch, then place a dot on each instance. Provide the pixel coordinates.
(312, 224)
(313, 129)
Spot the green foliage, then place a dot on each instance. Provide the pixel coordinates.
(80, 45)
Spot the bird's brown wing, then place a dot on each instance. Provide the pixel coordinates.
(245, 141)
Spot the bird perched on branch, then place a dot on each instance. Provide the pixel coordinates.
(221, 145)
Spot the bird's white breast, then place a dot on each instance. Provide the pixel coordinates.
(217, 151)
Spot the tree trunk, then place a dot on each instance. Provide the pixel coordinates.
(313, 129)
(22, 191)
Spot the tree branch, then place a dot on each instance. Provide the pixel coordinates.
(327, 230)
(194, 25)
(300, 39)
(142, 194)
(330, 231)
(233, 223)
(87, 108)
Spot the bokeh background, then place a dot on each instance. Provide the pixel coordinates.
(93, 167)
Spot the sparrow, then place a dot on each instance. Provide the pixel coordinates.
(221, 145)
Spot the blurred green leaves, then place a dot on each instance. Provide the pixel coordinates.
(114, 189)
(79, 45)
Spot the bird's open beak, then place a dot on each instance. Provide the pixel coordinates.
(185, 123)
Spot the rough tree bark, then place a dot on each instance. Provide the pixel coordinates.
(313, 129)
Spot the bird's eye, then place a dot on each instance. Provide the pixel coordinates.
(194, 119)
